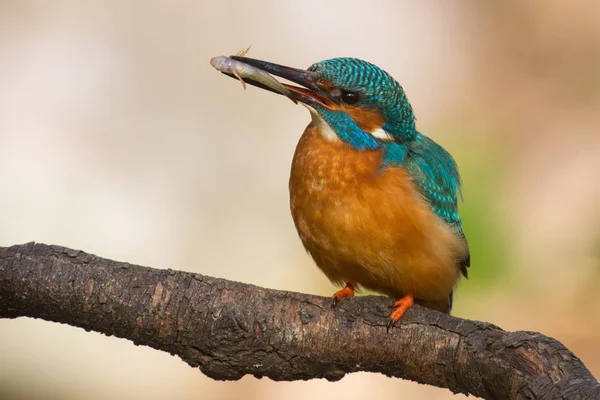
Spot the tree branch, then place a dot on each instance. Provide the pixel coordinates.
(230, 329)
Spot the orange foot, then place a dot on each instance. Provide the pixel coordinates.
(401, 306)
(347, 291)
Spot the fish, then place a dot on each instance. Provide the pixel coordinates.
(243, 71)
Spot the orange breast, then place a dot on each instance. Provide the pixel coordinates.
(367, 225)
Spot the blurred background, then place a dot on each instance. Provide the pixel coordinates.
(118, 138)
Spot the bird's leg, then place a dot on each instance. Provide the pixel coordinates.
(401, 306)
(347, 291)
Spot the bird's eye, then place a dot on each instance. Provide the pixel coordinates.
(350, 97)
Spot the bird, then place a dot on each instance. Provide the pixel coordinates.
(374, 201)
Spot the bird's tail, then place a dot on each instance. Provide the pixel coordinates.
(450, 300)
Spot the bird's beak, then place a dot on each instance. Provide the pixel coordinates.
(311, 93)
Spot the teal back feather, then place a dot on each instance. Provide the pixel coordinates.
(436, 175)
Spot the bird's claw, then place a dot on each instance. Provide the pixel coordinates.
(400, 308)
(334, 302)
(347, 291)
(389, 325)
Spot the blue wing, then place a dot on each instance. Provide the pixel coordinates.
(436, 175)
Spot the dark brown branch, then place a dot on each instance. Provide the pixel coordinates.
(230, 329)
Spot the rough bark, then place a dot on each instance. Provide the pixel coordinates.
(230, 329)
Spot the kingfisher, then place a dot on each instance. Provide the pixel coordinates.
(374, 201)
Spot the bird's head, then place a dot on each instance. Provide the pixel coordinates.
(355, 101)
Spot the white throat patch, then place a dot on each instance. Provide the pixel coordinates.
(325, 129)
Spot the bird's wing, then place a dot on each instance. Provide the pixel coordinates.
(436, 176)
